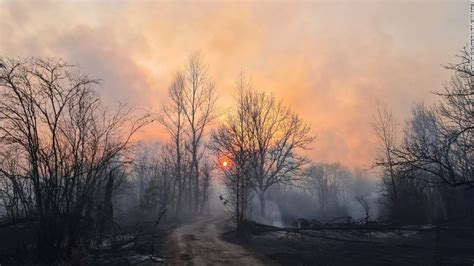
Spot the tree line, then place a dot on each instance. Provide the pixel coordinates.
(428, 173)
(62, 153)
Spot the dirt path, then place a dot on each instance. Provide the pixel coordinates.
(200, 243)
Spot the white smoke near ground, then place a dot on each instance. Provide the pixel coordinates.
(285, 204)
(288, 203)
(272, 213)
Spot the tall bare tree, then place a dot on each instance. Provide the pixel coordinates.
(385, 127)
(199, 97)
(232, 145)
(173, 119)
(186, 117)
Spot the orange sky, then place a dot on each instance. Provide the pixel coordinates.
(330, 61)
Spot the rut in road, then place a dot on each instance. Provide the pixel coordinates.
(200, 243)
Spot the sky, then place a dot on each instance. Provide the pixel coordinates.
(331, 61)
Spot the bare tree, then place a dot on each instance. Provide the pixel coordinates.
(365, 205)
(456, 112)
(198, 102)
(231, 143)
(66, 142)
(433, 163)
(173, 119)
(385, 127)
(271, 134)
(154, 181)
(327, 183)
(277, 134)
(439, 141)
(186, 117)
(206, 171)
(16, 192)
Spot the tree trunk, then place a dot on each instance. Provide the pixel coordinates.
(196, 179)
(106, 220)
(179, 202)
(261, 197)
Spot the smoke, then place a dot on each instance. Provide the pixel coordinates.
(288, 203)
(356, 210)
(272, 213)
(331, 77)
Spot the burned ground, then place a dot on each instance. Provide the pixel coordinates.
(391, 248)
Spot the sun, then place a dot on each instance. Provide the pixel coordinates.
(224, 163)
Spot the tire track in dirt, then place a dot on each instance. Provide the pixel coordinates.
(200, 243)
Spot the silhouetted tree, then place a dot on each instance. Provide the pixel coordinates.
(231, 143)
(435, 156)
(327, 182)
(385, 127)
(186, 118)
(269, 134)
(65, 141)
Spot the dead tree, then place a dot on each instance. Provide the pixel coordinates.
(66, 140)
(199, 97)
(365, 205)
(173, 119)
(231, 143)
(385, 127)
(186, 118)
(433, 163)
(206, 170)
(327, 183)
(154, 180)
(271, 134)
(276, 135)
(447, 153)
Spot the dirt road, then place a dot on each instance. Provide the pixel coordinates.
(200, 243)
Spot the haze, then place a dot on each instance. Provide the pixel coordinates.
(330, 61)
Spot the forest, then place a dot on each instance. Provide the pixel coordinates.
(77, 187)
